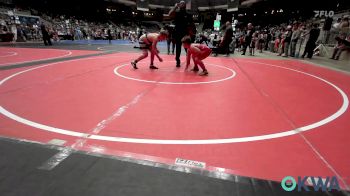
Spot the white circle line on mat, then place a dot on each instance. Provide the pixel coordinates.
(8, 55)
(233, 74)
(322, 122)
(20, 62)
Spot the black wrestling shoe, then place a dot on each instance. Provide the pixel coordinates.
(153, 67)
(195, 69)
(204, 73)
(178, 64)
(133, 64)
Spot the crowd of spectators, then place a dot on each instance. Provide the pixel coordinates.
(287, 40)
(70, 28)
(65, 28)
(11, 29)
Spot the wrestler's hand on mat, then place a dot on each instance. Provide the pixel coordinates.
(160, 59)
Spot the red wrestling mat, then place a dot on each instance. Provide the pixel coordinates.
(254, 117)
(9, 55)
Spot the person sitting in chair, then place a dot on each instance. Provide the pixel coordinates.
(343, 44)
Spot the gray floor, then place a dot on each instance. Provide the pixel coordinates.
(99, 175)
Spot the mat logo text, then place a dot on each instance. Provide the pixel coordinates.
(304, 183)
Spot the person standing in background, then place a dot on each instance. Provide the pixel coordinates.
(170, 39)
(227, 38)
(344, 26)
(109, 35)
(295, 37)
(261, 41)
(248, 38)
(46, 36)
(287, 40)
(326, 29)
(182, 21)
(140, 33)
(268, 38)
(311, 42)
(72, 34)
(336, 25)
(14, 32)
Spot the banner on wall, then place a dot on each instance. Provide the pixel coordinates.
(142, 5)
(232, 5)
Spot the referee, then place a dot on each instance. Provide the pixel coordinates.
(182, 23)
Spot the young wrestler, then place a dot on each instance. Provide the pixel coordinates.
(149, 42)
(198, 53)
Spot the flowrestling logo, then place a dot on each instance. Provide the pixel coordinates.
(321, 13)
(307, 182)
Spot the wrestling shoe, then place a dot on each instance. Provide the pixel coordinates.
(153, 67)
(133, 64)
(204, 73)
(195, 69)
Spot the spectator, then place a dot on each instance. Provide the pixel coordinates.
(311, 42)
(239, 38)
(253, 43)
(344, 25)
(282, 37)
(140, 33)
(170, 38)
(278, 41)
(261, 41)
(227, 39)
(268, 39)
(46, 36)
(241, 42)
(287, 40)
(345, 22)
(343, 44)
(326, 28)
(336, 25)
(14, 32)
(302, 38)
(203, 38)
(294, 40)
(109, 35)
(248, 38)
(3, 29)
(84, 34)
(71, 34)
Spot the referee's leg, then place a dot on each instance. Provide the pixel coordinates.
(178, 51)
